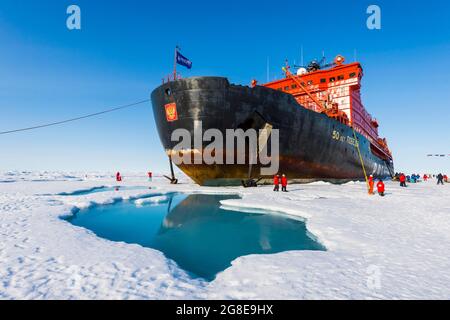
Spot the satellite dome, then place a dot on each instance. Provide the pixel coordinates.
(301, 71)
(339, 60)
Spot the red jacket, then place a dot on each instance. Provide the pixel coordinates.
(402, 178)
(276, 181)
(380, 186)
(284, 181)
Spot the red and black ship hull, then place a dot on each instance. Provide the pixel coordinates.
(308, 148)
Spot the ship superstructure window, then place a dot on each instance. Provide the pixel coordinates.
(286, 88)
(323, 80)
(352, 75)
(310, 82)
(332, 79)
(293, 86)
(281, 89)
(341, 77)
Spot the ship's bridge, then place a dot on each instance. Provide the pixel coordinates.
(336, 92)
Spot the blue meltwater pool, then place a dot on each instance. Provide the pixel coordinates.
(195, 232)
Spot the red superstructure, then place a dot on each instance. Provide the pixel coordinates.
(335, 92)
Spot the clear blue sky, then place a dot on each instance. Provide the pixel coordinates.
(48, 73)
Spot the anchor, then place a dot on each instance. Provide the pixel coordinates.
(172, 179)
(261, 144)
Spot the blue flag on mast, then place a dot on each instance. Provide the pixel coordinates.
(182, 60)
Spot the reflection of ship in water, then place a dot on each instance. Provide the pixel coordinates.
(205, 238)
(191, 208)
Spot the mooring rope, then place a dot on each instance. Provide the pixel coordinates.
(77, 118)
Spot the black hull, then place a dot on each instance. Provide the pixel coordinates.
(308, 151)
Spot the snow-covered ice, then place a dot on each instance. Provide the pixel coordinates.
(151, 200)
(394, 247)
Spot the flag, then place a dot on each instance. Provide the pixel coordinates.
(182, 60)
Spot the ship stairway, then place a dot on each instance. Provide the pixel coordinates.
(391, 172)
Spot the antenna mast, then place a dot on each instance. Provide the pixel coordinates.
(301, 55)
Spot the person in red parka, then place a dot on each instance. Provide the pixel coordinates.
(380, 187)
(284, 183)
(445, 178)
(276, 183)
(425, 177)
(118, 177)
(371, 183)
(402, 180)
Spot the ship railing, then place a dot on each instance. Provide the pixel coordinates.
(171, 77)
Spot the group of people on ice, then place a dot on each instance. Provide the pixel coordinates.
(277, 180)
(119, 176)
(380, 186)
(414, 178)
(441, 178)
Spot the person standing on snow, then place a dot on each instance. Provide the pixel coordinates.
(276, 183)
(118, 177)
(445, 178)
(371, 183)
(425, 177)
(440, 178)
(284, 183)
(402, 179)
(380, 187)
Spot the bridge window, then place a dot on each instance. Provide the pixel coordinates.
(333, 79)
(310, 82)
(293, 86)
(341, 77)
(352, 75)
(286, 88)
(323, 80)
